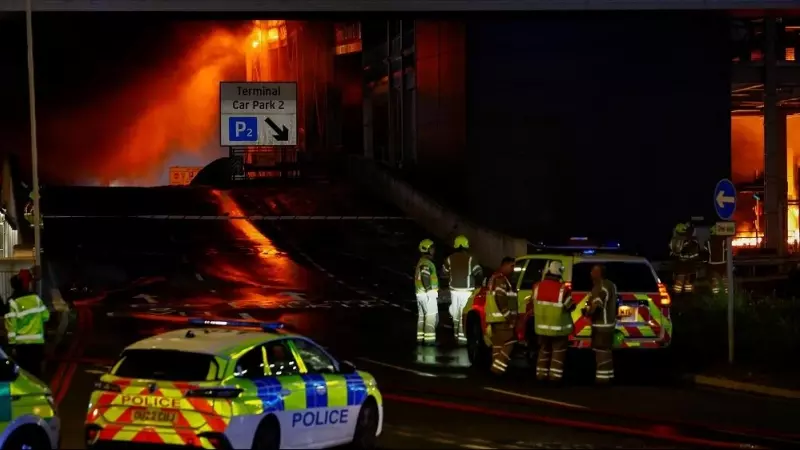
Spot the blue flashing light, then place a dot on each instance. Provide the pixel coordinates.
(266, 326)
(589, 252)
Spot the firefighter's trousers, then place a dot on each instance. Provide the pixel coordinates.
(684, 278)
(718, 272)
(502, 343)
(427, 315)
(552, 355)
(602, 342)
(458, 299)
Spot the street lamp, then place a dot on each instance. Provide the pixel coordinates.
(37, 215)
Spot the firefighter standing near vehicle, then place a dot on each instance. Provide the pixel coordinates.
(501, 315)
(685, 250)
(601, 309)
(426, 283)
(464, 274)
(551, 313)
(25, 329)
(717, 259)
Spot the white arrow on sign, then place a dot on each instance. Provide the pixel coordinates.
(722, 199)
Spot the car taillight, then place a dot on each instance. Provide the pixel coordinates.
(663, 293)
(215, 393)
(109, 387)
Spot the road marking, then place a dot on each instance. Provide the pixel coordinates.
(402, 369)
(535, 399)
(246, 316)
(199, 277)
(148, 298)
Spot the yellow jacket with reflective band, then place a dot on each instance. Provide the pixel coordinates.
(425, 268)
(500, 299)
(551, 302)
(25, 320)
(30, 398)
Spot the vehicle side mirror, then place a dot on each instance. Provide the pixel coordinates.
(347, 367)
(8, 371)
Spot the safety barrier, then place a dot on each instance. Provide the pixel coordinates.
(488, 245)
(249, 218)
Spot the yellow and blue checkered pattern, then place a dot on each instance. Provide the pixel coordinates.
(298, 392)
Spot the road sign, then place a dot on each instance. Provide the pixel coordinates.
(725, 228)
(258, 114)
(725, 199)
(182, 176)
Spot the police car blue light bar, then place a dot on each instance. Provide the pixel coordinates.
(266, 326)
(581, 244)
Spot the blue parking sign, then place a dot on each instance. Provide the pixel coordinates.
(243, 129)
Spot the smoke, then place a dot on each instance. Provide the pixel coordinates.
(129, 136)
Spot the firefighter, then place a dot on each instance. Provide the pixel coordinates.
(717, 259)
(24, 322)
(551, 312)
(602, 311)
(464, 274)
(685, 250)
(501, 315)
(426, 283)
(29, 210)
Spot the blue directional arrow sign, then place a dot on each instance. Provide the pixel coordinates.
(725, 199)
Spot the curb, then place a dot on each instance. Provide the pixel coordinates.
(724, 383)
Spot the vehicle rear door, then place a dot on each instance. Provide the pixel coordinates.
(154, 388)
(283, 372)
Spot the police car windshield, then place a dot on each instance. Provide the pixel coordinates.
(166, 365)
(629, 276)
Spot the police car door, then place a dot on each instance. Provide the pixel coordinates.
(282, 365)
(338, 407)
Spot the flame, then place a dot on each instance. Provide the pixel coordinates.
(747, 145)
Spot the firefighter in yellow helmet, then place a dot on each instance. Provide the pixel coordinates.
(426, 283)
(501, 315)
(28, 212)
(463, 275)
(717, 259)
(684, 250)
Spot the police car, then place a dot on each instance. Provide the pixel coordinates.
(219, 386)
(644, 305)
(27, 412)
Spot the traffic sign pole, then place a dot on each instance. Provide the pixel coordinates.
(725, 206)
(37, 215)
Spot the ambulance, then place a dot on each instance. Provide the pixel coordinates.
(644, 318)
(224, 385)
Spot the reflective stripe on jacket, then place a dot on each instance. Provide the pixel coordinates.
(462, 271)
(551, 304)
(604, 299)
(25, 320)
(501, 300)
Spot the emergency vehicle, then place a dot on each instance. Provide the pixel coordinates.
(222, 386)
(643, 321)
(28, 417)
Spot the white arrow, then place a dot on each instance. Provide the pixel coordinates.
(722, 199)
(148, 298)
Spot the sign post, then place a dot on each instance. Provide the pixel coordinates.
(725, 206)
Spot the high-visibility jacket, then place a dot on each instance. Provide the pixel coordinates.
(463, 271)
(25, 320)
(501, 300)
(717, 249)
(425, 278)
(552, 303)
(603, 298)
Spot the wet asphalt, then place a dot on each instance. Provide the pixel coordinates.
(345, 282)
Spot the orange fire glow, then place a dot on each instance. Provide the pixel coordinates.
(747, 143)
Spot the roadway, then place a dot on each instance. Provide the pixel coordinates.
(346, 283)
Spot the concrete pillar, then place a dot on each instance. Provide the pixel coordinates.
(775, 179)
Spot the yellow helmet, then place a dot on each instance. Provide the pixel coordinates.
(425, 246)
(461, 241)
(680, 228)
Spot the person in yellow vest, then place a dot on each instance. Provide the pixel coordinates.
(501, 315)
(602, 310)
(24, 322)
(426, 283)
(463, 275)
(29, 214)
(552, 316)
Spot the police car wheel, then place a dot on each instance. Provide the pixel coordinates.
(364, 436)
(28, 437)
(268, 435)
